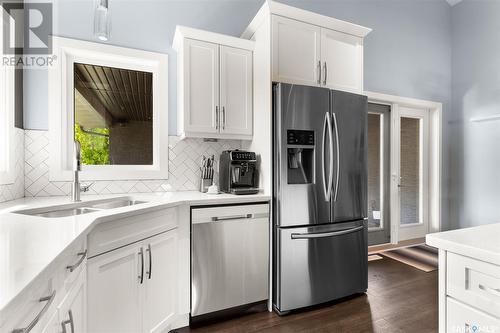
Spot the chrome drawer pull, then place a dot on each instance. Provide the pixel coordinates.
(492, 291)
(49, 300)
(82, 255)
(69, 321)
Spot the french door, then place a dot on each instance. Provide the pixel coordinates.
(410, 177)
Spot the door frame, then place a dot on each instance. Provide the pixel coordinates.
(435, 157)
(407, 231)
(385, 175)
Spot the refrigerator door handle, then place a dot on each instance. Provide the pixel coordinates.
(327, 187)
(326, 234)
(337, 178)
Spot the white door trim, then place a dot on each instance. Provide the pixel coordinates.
(435, 158)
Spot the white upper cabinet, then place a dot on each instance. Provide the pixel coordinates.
(312, 49)
(342, 61)
(236, 100)
(201, 86)
(296, 51)
(215, 85)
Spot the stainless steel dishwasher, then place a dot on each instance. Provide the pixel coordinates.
(230, 257)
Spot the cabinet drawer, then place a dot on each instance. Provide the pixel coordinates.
(463, 318)
(73, 260)
(34, 308)
(111, 235)
(474, 282)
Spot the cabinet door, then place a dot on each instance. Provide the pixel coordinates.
(114, 291)
(342, 61)
(295, 51)
(201, 86)
(160, 292)
(52, 325)
(236, 91)
(73, 310)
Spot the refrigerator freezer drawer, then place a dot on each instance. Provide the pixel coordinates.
(320, 264)
(230, 257)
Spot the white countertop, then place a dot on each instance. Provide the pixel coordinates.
(28, 244)
(482, 243)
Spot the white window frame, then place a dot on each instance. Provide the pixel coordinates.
(7, 134)
(61, 106)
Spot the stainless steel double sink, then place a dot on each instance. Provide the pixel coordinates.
(80, 208)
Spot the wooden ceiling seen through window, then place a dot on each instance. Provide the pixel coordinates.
(118, 95)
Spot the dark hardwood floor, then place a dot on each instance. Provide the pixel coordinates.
(400, 298)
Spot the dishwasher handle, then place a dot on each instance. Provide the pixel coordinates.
(234, 217)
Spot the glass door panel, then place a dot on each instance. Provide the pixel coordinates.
(411, 171)
(413, 137)
(378, 173)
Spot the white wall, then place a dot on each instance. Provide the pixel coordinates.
(475, 147)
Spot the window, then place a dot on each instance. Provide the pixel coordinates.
(113, 115)
(113, 100)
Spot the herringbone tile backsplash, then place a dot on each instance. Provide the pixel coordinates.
(16, 189)
(184, 163)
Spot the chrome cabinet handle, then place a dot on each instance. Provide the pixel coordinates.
(326, 234)
(337, 180)
(141, 277)
(235, 217)
(82, 255)
(223, 118)
(490, 290)
(325, 69)
(148, 250)
(217, 117)
(68, 321)
(319, 72)
(49, 300)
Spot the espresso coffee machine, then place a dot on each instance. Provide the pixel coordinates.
(238, 172)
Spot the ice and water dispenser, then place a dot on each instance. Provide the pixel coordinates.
(300, 155)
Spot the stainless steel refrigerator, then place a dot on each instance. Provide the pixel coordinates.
(319, 195)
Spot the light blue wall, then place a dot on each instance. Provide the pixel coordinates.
(407, 54)
(475, 164)
(142, 24)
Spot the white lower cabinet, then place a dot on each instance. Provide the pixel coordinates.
(463, 318)
(132, 289)
(113, 291)
(52, 325)
(73, 310)
(160, 291)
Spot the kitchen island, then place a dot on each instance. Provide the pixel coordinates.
(469, 278)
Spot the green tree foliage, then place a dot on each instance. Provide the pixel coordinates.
(94, 148)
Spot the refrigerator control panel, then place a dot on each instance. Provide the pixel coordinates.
(299, 137)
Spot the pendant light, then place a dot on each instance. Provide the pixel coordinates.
(102, 20)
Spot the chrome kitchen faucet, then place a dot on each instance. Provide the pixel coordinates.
(76, 187)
